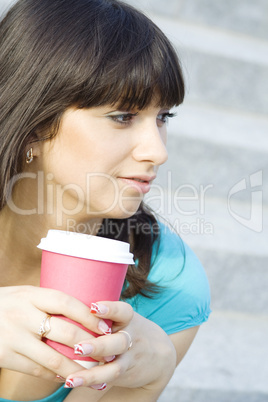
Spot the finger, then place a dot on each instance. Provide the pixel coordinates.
(119, 312)
(104, 374)
(22, 364)
(69, 334)
(47, 357)
(59, 329)
(65, 332)
(55, 302)
(112, 345)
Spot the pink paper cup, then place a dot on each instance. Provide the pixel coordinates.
(89, 268)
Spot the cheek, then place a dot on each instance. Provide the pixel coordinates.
(78, 151)
(60, 164)
(88, 170)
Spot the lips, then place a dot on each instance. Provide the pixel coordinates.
(133, 178)
(140, 178)
(142, 184)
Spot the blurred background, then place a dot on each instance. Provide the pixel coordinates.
(214, 188)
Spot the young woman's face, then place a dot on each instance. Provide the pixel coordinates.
(102, 160)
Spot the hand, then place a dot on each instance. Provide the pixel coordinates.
(22, 310)
(150, 361)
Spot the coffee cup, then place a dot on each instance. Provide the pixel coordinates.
(89, 268)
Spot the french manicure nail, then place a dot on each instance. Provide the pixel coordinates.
(99, 387)
(69, 383)
(109, 359)
(98, 308)
(73, 383)
(83, 349)
(104, 328)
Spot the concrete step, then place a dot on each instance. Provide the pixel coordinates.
(240, 16)
(225, 82)
(238, 282)
(227, 362)
(209, 223)
(220, 126)
(221, 68)
(214, 41)
(227, 171)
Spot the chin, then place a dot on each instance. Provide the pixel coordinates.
(123, 214)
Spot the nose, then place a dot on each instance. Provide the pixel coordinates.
(151, 145)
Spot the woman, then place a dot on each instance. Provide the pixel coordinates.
(86, 88)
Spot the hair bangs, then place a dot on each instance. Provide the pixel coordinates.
(143, 70)
(136, 84)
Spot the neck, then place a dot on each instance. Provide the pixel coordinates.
(31, 211)
(20, 259)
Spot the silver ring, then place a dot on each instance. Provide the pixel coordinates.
(129, 337)
(45, 328)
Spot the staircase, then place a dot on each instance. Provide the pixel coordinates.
(214, 189)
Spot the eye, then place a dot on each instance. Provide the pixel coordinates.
(123, 118)
(164, 117)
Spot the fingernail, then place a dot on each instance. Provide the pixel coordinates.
(104, 328)
(69, 384)
(99, 387)
(59, 378)
(83, 349)
(109, 359)
(73, 383)
(98, 308)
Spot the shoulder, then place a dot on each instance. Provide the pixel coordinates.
(174, 264)
(184, 299)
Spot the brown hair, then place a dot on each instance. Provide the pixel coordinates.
(61, 53)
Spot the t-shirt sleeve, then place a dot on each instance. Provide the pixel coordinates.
(184, 298)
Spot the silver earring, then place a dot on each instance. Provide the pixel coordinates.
(29, 156)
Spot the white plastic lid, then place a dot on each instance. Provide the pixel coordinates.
(87, 246)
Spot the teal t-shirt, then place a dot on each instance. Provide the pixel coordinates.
(58, 396)
(184, 300)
